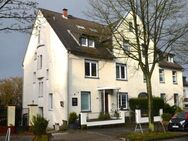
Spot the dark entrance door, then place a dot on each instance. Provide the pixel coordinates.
(106, 103)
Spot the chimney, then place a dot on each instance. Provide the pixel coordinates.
(65, 13)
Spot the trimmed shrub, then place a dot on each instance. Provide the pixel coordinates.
(166, 116)
(39, 125)
(72, 118)
(104, 116)
(142, 103)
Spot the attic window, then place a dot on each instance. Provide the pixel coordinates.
(80, 27)
(170, 58)
(92, 29)
(87, 42)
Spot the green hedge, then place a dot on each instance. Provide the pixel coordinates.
(142, 103)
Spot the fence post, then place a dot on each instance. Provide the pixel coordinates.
(11, 116)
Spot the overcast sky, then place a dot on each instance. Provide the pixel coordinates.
(13, 45)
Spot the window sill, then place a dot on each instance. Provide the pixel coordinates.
(91, 77)
(121, 79)
(86, 111)
(162, 82)
(50, 109)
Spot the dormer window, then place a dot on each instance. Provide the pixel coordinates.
(170, 58)
(87, 42)
(83, 41)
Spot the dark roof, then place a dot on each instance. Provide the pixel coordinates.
(170, 65)
(62, 26)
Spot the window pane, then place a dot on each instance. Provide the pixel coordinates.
(91, 43)
(123, 100)
(117, 71)
(87, 69)
(122, 72)
(83, 41)
(85, 101)
(126, 45)
(94, 69)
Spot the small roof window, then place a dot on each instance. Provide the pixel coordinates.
(80, 27)
(92, 29)
(87, 42)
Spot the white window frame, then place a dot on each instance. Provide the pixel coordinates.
(174, 77)
(119, 65)
(93, 43)
(50, 101)
(120, 102)
(89, 101)
(161, 75)
(90, 68)
(87, 42)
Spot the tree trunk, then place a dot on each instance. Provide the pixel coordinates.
(150, 104)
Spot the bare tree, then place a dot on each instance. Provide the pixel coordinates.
(17, 15)
(155, 27)
(11, 91)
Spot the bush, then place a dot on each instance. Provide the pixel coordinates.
(39, 125)
(166, 116)
(72, 118)
(142, 103)
(104, 116)
(171, 109)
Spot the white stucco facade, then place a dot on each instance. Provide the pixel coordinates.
(62, 77)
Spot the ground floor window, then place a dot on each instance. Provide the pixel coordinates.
(122, 100)
(176, 101)
(85, 101)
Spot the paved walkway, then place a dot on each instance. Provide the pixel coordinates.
(98, 134)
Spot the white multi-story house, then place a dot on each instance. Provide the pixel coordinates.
(68, 67)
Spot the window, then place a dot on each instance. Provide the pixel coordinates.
(50, 101)
(170, 58)
(87, 42)
(47, 74)
(121, 71)
(126, 46)
(83, 41)
(39, 62)
(34, 77)
(91, 43)
(122, 100)
(130, 26)
(176, 99)
(35, 56)
(91, 68)
(163, 96)
(85, 101)
(74, 101)
(161, 76)
(174, 77)
(40, 89)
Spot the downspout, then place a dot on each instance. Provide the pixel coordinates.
(68, 52)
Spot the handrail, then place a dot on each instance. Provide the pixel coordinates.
(7, 138)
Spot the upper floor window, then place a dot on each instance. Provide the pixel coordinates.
(130, 26)
(174, 77)
(122, 100)
(50, 101)
(161, 76)
(34, 77)
(47, 74)
(143, 48)
(126, 46)
(170, 58)
(87, 42)
(91, 68)
(40, 88)
(121, 71)
(39, 62)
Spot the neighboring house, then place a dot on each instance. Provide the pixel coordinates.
(69, 67)
(185, 92)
